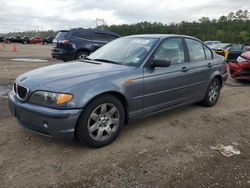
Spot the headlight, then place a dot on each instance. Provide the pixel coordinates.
(241, 59)
(46, 98)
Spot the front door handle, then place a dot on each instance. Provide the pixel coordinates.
(184, 69)
(209, 65)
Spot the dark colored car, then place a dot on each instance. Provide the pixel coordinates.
(36, 40)
(235, 50)
(17, 39)
(14, 39)
(1, 39)
(128, 78)
(230, 51)
(47, 40)
(79, 43)
(26, 40)
(240, 70)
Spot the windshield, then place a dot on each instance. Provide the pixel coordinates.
(61, 35)
(129, 51)
(236, 47)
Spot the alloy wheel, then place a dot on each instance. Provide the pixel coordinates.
(214, 92)
(103, 122)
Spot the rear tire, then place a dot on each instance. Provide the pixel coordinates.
(213, 93)
(81, 55)
(101, 122)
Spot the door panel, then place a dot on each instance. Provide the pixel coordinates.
(164, 87)
(198, 76)
(199, 68)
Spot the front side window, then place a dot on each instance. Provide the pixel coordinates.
(171, 49)
(196, 51)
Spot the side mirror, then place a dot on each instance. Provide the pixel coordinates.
(161, 63)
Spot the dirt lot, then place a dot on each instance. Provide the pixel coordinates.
(170, 149)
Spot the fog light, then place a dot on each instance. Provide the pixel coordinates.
(45, 124)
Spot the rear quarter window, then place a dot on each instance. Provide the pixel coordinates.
(208, 52)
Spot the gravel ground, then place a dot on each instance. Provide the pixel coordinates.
(169, 149)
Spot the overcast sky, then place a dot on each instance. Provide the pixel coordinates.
(23, 15)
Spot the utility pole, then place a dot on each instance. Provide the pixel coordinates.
(102, 21)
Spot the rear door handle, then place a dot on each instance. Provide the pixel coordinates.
(209, 65)
(184, 69)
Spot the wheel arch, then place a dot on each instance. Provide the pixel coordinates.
(219, 77)
(81, 50)
(116, 94)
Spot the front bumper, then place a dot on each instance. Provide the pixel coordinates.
(45, 121)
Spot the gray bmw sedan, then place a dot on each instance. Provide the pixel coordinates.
(92, 98)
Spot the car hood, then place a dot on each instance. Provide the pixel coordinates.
(60, 77)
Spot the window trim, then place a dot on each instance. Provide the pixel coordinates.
(212, 54)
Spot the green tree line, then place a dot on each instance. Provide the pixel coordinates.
(234, 27)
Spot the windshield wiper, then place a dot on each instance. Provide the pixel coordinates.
(107, 61)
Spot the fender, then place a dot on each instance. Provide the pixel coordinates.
(213, 75)
(96, 90)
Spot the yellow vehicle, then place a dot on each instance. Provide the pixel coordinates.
(224, 53)
(221, 49)
(230, 51)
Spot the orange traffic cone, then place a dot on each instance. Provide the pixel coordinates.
(14, 48)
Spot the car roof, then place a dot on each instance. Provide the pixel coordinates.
(162, 36)
(100, 31)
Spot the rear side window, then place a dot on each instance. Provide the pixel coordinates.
(83, 35)
(196, 51)
(208, 53)
(101, 37)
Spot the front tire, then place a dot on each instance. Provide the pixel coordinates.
(81, 55)
(101, 122)
(213, 93)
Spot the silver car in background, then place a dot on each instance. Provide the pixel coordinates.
(91, 99)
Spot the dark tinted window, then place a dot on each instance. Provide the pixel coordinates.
(208, 53)
(236, 47)
(101, 37)
(171, 49)
(111, 37)
(196, 50)
(83, 35)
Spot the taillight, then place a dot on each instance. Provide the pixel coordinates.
(65, 41)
